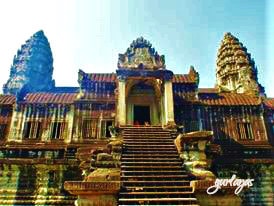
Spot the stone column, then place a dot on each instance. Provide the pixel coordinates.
(17, 124)
(200, 119)
(264, 127)
(168, 102)
(70, 120)
(121, 110)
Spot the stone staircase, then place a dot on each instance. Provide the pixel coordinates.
(151, 170)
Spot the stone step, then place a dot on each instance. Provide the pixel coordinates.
(152, 155)
(148, 141)
(145, 130)
(140, 151)
(160, 193)
(144, 127)
(141, 127)
(154, 177)
(156, 194)
(145, 134)
(149, 134)
(158, 189)
(150, 138)
(139, 183)
(172, 149)
(139, 137)
(150, 168)
(156, 166)
(157, 201)
(152, 149)
(155, 159)
(151, 163)
(160, 196)
(154, 146)
(154, 172)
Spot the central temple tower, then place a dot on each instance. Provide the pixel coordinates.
(144, 89)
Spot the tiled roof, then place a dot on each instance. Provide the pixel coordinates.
(48, 98)
(269, 102)
(111, 77)
(182, 78)
(102, 77)
(207, 90)
(7, 99)
(228, 99)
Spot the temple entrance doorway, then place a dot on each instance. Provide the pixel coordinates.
(143, 104)
(141, 115)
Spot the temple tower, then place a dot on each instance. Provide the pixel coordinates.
(32, 67)
(236, 70)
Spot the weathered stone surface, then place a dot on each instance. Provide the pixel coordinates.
(104, 174)
(115, 146)
(96, 200)
(99, 188)
(219, 200)
(35, 184)
(116, 142)
(104, 157)
(236, 70)
(32, 67)
(191, 147)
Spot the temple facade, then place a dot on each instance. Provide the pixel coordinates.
(43, 128)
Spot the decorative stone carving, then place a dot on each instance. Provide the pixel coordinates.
(101, 183)
(236, 70)
(112, 131)
(160, 74)
(191, 147)
(194, 75)
(32, 67)
(140, 55)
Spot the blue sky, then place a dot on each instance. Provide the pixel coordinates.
(89, 34)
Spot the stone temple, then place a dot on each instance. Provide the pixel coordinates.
(141, 135)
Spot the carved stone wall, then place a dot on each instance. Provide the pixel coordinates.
(40, 184)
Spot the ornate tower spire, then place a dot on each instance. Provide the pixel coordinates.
(236, 70)
(32, 67)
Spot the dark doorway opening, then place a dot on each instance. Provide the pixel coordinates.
(141, 115)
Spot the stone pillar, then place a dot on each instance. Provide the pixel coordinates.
(264, 128)
(168, 103)
(17, 124)
(121, 110)
(200, 119)
(76, 124)
(70, 120)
